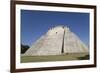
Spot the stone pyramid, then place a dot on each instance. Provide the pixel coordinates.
(58, 40)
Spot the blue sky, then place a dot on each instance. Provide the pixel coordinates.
(36, 23)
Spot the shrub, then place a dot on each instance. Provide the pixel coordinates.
(24, 48)
(84, 57)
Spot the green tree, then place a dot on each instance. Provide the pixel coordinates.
(86, 57)
(24, 48)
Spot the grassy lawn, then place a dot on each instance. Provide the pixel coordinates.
(65, 57)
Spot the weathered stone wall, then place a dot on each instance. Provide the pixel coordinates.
(72, 44)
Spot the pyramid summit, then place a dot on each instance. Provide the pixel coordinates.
(58, 40)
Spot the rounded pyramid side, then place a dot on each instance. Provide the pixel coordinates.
(72, 43)
(48, 44)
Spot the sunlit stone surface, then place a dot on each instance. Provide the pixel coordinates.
(58, 40)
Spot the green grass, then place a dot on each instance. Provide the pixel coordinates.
(64, 57)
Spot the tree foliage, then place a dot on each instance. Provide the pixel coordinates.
(24, 48)
(84, 57)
